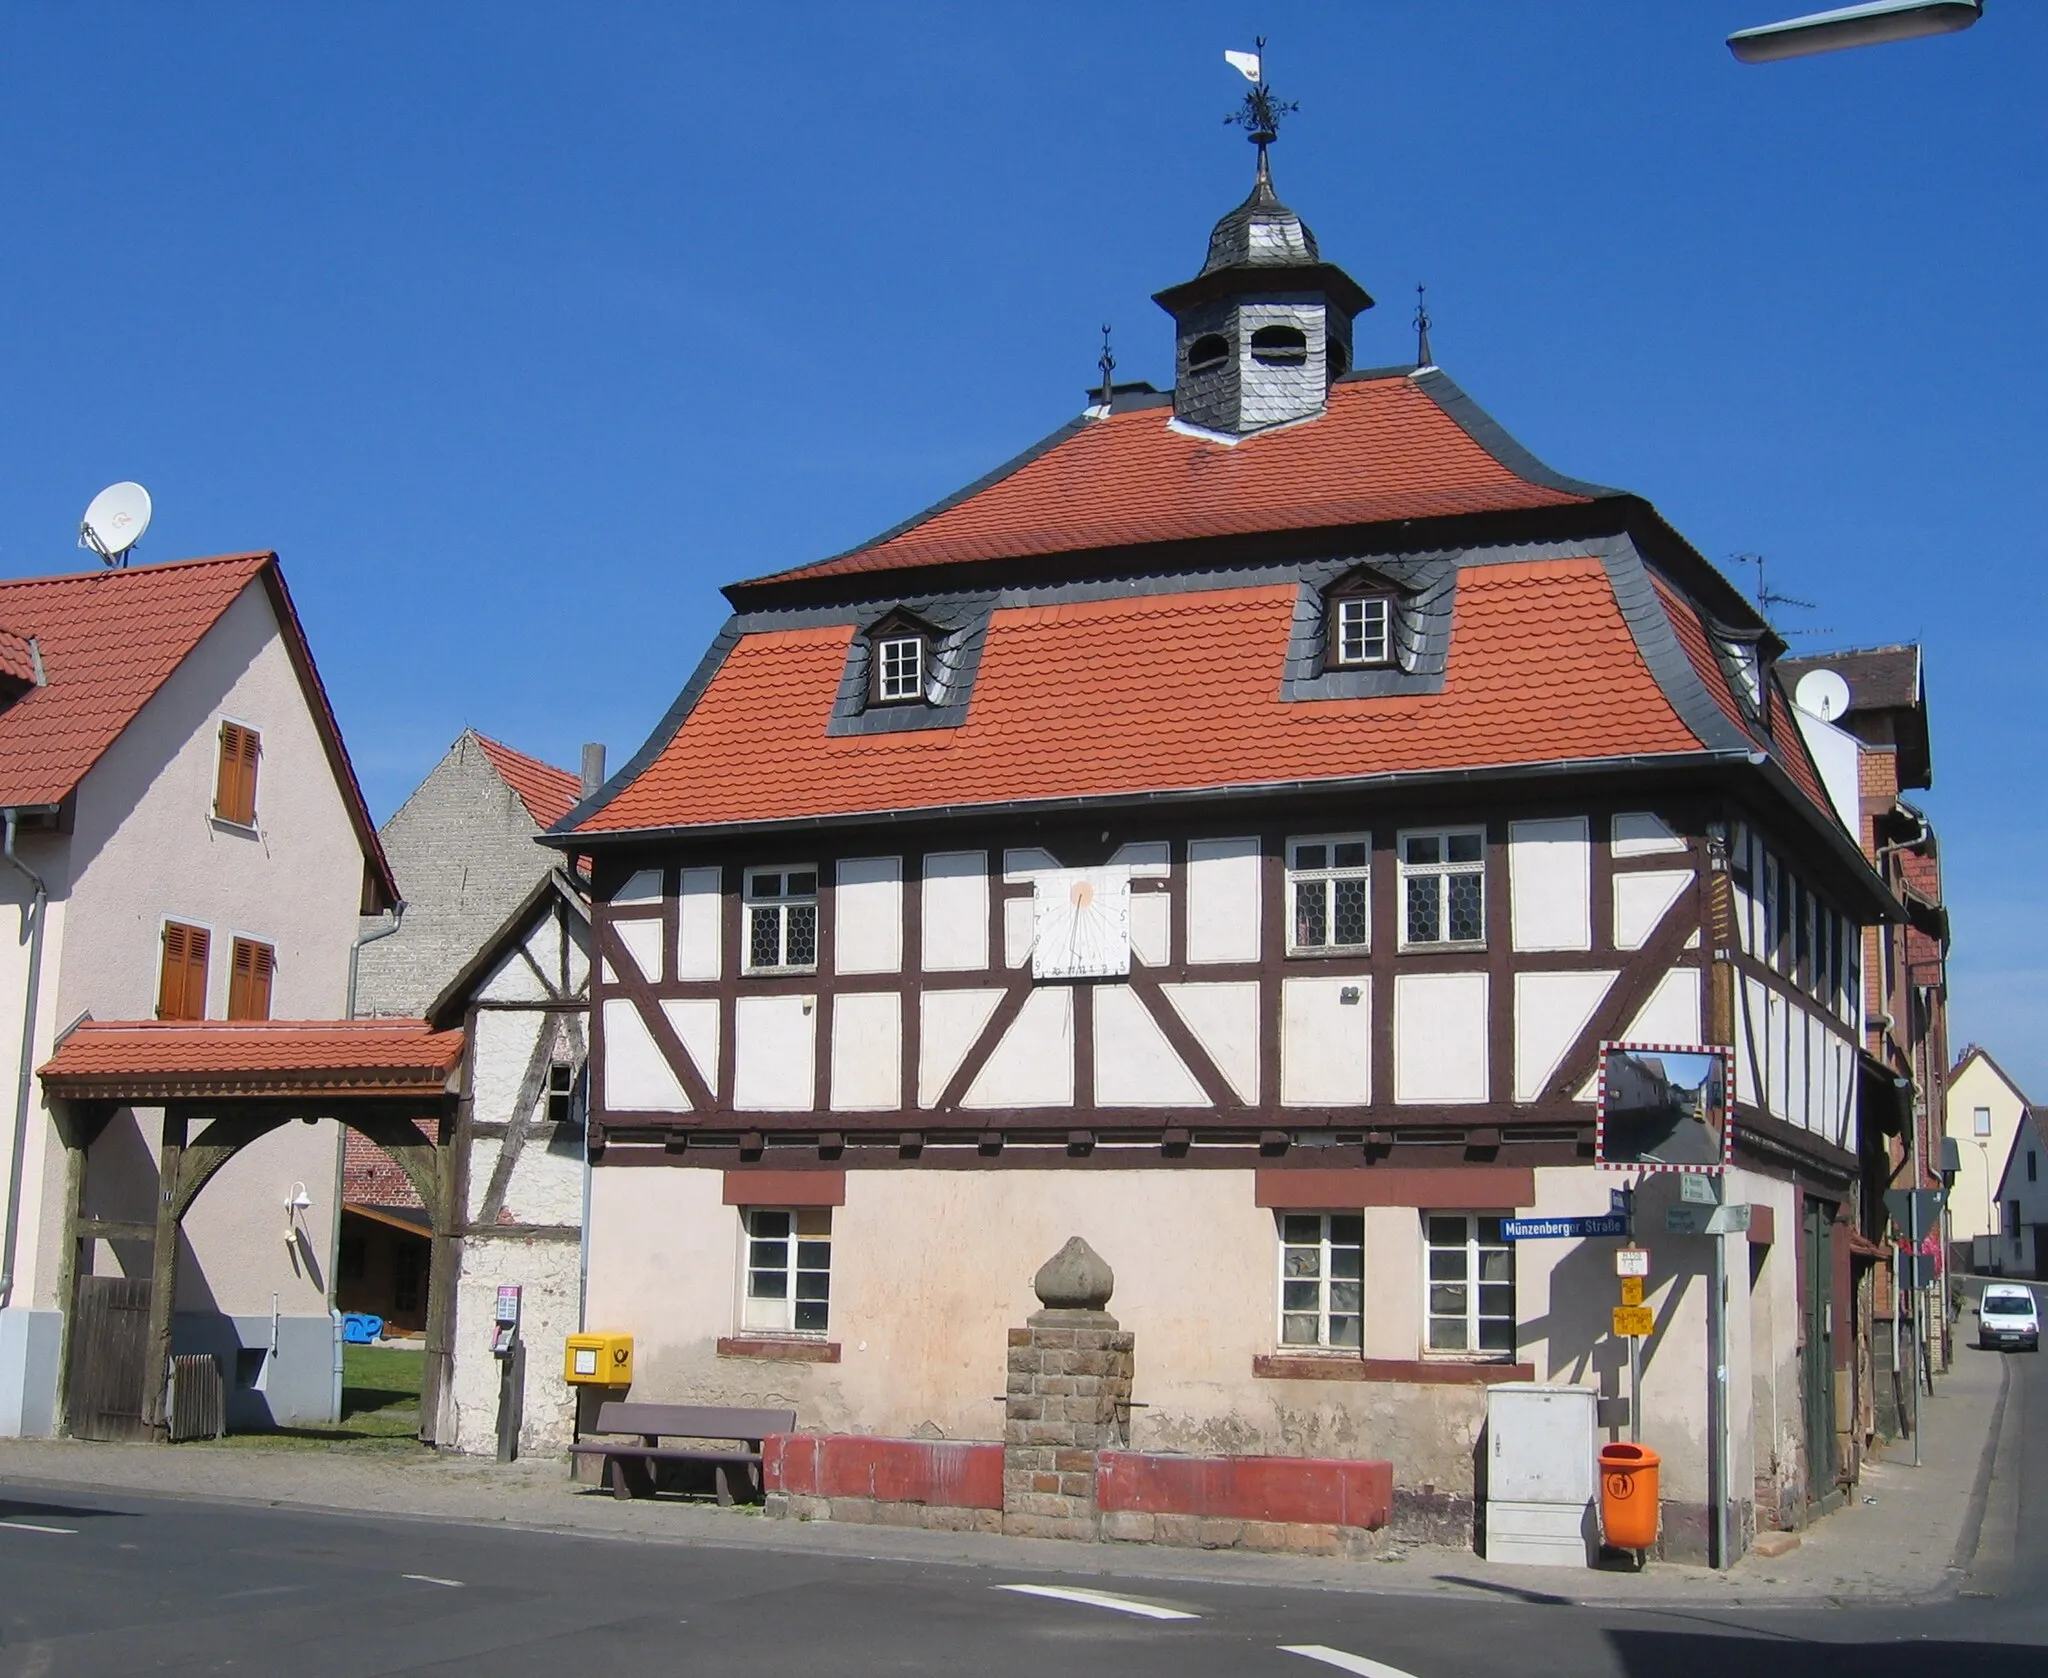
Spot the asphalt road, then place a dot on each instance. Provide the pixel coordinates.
(116, 1584)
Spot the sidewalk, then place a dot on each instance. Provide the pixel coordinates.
(1898, 1543)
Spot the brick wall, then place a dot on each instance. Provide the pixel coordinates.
(371, 1177)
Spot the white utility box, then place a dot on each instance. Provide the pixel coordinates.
(1541, 1474)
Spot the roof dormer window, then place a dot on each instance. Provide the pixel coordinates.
(899, 669)
(1210, 350)
(1361, 632)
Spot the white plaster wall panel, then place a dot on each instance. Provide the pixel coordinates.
(949, 1022)
(1641, 833)
(637, 1076)
(1325, 1042)
(641, 940)
(1796, 1089)
(606, 973)
(1033, 1066)
(1020, 930)
(1394, 1287)
(643, 887)
(1440, 1037)
(484, 1152)
(545, 1185)
(1224, 1019)
(774, 1053)
(1837, 754)
(1672, 1014)
(867, 915)
(1551, 1010)
(700, 925)
(1550, 884)
(696, 1021)
(867, 1052)
(1750, 1042)
(545, 1273)
(1640, 903)
(1025, 863)
(1135, 1066)
(514, 979)
(502, 1050)
(1845, 1097)
(1152, 927)
(1223, 900)
(1744, 913)
(955, 912)
(1774, 1068)
(1147, 859)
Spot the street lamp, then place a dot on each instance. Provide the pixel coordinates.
(1853, 26)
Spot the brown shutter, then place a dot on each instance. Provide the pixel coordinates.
(249, 980)
(181, 990)
(234, 795)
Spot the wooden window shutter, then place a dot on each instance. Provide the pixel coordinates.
(234, 795)
(181, 990)
(249, 980)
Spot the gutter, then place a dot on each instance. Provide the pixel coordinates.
(24, 1084)
(355, 951)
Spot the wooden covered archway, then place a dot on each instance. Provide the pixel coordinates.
(222, 1085)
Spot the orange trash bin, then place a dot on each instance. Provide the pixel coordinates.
(1628, 1496)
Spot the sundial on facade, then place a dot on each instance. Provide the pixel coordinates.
(1081, 923)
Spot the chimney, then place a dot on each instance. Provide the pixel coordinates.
(593, 767)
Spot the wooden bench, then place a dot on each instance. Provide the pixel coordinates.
(632, 1470)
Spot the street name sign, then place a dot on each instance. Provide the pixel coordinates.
(1556, 1229)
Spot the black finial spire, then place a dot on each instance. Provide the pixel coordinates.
(1259, 116)
(1422, 355)
(1107, 362)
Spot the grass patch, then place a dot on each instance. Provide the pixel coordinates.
(380, 1406)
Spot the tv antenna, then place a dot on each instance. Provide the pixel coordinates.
(115, 521)
(1768, 597)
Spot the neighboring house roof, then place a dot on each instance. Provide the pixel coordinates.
(446, 1009)
(1879, 678)
(1972, 1052)
(547, 792)
(167, 1060)
(107, 640)
(1393, 445)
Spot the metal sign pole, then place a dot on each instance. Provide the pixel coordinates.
(1717, 1395)
(1635, 1341)
(1919, 1310)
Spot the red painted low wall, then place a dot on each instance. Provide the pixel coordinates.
(1315, 1491)
(946, 1474)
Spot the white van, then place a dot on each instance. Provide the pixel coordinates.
(2008, 1316)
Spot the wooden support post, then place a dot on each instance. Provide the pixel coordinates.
(163, 1274)
(79, 1124)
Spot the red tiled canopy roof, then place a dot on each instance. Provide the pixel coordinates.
(1385, 450)
(108, 639)
(547, 792)
(144, 1060)
(1157, 693)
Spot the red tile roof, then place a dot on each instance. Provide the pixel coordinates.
(164, 1059)
(1385, 450)
(17, 657)
(108, 639)
(547, 792)
(1162, 692)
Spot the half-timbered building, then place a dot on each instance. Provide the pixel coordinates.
(1227, 832)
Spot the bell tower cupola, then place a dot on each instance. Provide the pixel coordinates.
(1266, 325)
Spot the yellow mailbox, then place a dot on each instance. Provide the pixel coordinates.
(598, 1360)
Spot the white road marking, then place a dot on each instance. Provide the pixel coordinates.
(1344, 1662)
(429, 1579)
(30, 1526)
(1102, 1599)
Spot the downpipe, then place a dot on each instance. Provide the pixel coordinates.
(355, 952)
(24, 1084)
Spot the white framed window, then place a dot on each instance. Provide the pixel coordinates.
(1980, 1121)
(1329, 893)
(1443, 886)
(1322, 1279)
(789, 1270)
(1469, 1286)
(900, 669)
(782, 920)
(1364, 630)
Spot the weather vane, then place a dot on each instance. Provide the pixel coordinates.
(1107, 362)
(1259, 116)
(1422, 325)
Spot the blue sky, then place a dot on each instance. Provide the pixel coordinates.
(517, 328)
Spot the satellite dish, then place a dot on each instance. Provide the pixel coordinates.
(1822, 693)
(115, 521)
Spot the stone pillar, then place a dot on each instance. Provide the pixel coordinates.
(1068, 1397)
